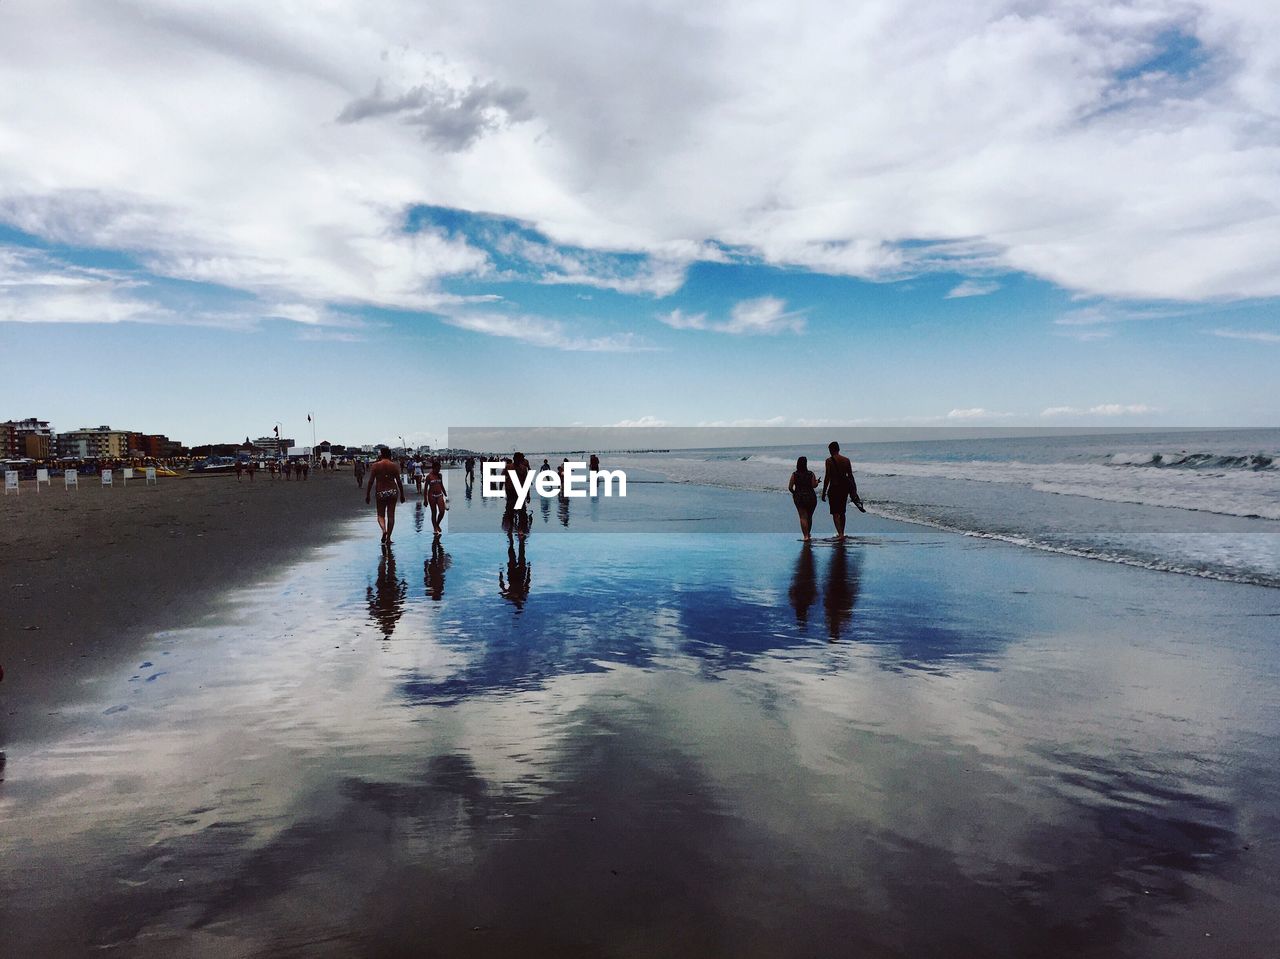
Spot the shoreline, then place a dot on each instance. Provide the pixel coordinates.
(1010, 539)
(88, 575)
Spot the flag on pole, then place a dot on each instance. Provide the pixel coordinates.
(308, 417)
(277, 432)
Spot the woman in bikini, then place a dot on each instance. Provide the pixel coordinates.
(802, 487)
(435, 496)
(385, 483)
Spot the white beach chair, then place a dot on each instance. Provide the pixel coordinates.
(70, 478)
(11, 482)
(106, 477)
(126, 474)
(42, 476)
(151, 475)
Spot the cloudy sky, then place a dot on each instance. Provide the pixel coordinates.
(410, 214)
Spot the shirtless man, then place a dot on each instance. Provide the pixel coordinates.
(839, 482)
(384, 481)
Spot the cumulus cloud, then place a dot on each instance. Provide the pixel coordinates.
(1102, 409)
(1254, 336)
(972, 288)
(1052, 139)
(539, 331)
(765, 315)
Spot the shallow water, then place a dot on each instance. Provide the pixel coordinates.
(669, 743)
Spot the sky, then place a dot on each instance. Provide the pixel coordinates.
(404, 216)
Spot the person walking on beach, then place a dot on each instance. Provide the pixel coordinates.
(385, 483)
(253, 469)
(802, 487)
(239, 470)
(840, 485)
(435, 496)
(359, 470)
(471, 469)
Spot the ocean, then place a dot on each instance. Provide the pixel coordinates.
(1199, 502)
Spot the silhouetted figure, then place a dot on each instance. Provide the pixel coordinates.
(515, 588)
(434, 569)
(838, 487)
(841, 594)
(386, 597)
(562, 505)
(803, 489)
(804, 585)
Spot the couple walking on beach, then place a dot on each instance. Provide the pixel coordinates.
(838, 488)
(386, 484)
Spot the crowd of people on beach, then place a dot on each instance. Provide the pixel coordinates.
(287, 469)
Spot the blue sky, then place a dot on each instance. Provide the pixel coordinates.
(1033, 217)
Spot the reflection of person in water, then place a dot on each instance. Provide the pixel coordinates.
(804, 585)
(562, 506)
(519, 575)
(841, 594)
(434, 569)
(386, 597)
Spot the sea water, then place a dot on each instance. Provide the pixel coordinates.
(1203, 502)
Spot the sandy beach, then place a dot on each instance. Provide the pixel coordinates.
(88, 574)
(688, 741)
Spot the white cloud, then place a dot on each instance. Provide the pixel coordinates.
(680, 320)
(765, 315)
(237, 143)
(538, 331)
(643, 421)
(973, 288)
(1102, 409)
(36, 287)
(976, 413)
(1254, 336)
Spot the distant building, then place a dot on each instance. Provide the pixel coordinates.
(99, 442)
(9, 441)
(32, 438)
(273, 445)
(159, 446)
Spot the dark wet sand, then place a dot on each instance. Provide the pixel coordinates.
(85, 576)
(663, 744)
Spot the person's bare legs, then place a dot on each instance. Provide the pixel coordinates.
(391, 518)
(839, 521)
(806, 522)
(437, 516)
(382, 519)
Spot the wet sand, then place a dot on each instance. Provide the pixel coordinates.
(677, 743)
(86, 575)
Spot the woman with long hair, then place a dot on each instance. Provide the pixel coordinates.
(802, 488)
